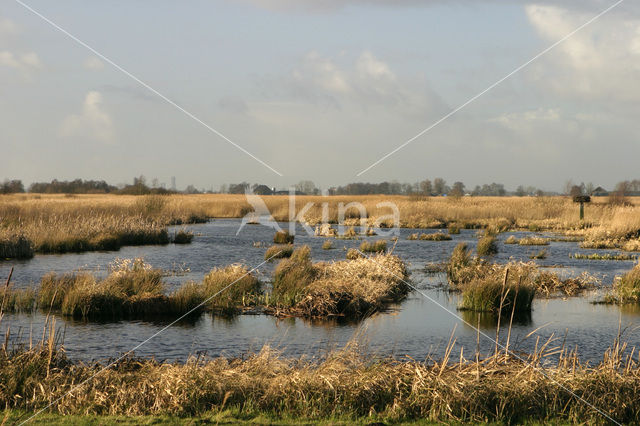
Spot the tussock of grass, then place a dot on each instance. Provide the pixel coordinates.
(487, 246)
(533, 241)
(542, 254)
(182, 237)
(379, 246)
(231, 287)
(491, 294)
(437, 236)
(292, 276)
(511, 240)
(454, 228)
(348, 382)
(278, 252)
(353, 254)
(283, 237)
(327, 245)
(627, 288)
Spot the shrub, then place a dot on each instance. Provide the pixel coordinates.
(283, 237)
(278, 252)
(487, 246)
(379, 246)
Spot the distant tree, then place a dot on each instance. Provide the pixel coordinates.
(425, 187)
(457, 190)
(190, 189)
(238, 188)
(575, 191)
(306, 187)
(439, 186)
(568, 185)
(11, 187)
(520, 191)
(619, 196)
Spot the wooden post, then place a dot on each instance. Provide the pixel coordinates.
(582, 199)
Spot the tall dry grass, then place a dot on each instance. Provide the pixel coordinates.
(548, 385)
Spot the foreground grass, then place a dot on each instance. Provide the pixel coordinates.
(346, 385)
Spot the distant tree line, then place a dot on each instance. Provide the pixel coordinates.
(77, 186)
(11, 187)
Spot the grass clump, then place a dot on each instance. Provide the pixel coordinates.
(627, 288)
(327, 245)
(278, 252)
(437, 236)
(292, 276)
(511, 240)
(229, 288)
(283, 237)
(542, 254)
(533, 241)
(182, 237)
(379, 246)
(487, 246)
(453, 228)
(494, 295)
(353, 254)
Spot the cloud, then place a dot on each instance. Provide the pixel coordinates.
(527, 120)
(601, 62)
(24, 61)
(7, 27)
(92, 123)
(93, 63)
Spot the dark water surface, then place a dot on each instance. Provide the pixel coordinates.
(419, 326)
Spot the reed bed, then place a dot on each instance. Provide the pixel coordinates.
(283, 237)
(58, 224)
(349, 383)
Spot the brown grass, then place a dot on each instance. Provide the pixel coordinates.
(547, 386)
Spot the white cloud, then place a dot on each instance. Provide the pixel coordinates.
(7, 27)
(527, 120)
(24, 61)
(93, 63)
(601, 62)
(92, 123)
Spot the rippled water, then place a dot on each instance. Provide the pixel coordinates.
(420, 326)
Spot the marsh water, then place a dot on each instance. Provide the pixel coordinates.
(418, 327)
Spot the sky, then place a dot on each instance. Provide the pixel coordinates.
(320, 90)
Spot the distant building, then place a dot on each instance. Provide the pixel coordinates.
(600, 192)
(262, 190)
